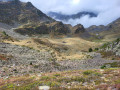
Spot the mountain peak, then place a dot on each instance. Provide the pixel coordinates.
(22, 12)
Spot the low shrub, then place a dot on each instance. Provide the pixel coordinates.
(88, 72)
(96, 49)
(90, 49)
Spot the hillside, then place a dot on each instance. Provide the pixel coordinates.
(18, 12)
(28, 20)
(109, 32)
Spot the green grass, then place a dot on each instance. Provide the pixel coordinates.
(75, 79)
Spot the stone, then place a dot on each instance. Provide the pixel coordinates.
(44, 87)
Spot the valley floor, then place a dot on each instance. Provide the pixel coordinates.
(59, 63)
(22, 60)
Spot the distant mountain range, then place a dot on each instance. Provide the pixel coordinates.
(109, 32)
(64, 17)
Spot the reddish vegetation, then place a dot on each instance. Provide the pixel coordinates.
(109, 87)
(4, 57)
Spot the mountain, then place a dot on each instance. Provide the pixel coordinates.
(14, 11)
(31, 21)
(64, 17)
(108, 32)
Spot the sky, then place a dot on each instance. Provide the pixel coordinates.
(108, 10)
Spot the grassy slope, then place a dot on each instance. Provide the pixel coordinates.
(64, 48)
(85, 80)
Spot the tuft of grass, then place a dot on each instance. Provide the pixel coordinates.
(88, 72)
(57, 75)
(45, 78)
(52, 84)
(79, 79)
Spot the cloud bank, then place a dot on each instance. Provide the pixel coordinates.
(108, 10)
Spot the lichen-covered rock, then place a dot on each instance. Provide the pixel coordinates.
(113, 47)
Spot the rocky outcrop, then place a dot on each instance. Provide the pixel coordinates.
(78, 29)
(112, 47)
(58, 28)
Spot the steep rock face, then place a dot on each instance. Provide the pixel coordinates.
(78, 29)
(16, 11)
(58, 28)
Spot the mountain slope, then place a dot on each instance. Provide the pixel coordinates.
(109, 32)
(18, 12)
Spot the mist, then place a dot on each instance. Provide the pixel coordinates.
(108, 10)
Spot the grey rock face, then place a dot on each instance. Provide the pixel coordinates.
(113, 47)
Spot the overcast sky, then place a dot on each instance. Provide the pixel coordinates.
(108, 10)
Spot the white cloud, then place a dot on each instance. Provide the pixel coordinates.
(108, 10)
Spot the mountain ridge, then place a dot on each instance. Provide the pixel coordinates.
(64, 17)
